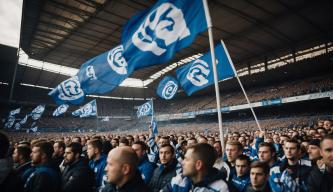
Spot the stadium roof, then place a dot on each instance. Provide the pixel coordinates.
(68, 33)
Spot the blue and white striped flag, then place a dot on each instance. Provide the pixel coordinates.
(14, 112)
(155, 35)
(146, 109)
(37, 112)
(60, 110)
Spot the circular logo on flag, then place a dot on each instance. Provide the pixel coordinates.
(169, 90)
(116, 60)
(70, 89)
(198, 73)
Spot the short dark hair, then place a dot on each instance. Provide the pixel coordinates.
(96, 143)
(168, 145)
(124, 140)
(270, 145)
(61, 144)
(243, 157)
(24, 151)
(327, 137)
(206, 153)
(75, 147)
(142, 144)
(298, 145)
(4, 145)
(46, 148)
(260, 164)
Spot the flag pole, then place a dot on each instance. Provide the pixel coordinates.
(241, 85)
(96, 116)
(217, 91)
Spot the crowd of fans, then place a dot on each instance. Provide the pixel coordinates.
(299, 158)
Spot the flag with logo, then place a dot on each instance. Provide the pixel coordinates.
(198, 74)
(10, 122)
(68, 91)
(167, 88)
(146, 109)
(88, 110)
(156, 34)
(37, 112)
(14, 112)
(24, 120)
(104, 72)
(60, 110)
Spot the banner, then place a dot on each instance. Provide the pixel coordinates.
(146, 109)
(60, 110)
(167, 88)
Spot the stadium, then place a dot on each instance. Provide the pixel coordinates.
(282, 52)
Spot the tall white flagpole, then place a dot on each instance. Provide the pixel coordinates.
(217, 91)
(241, 85)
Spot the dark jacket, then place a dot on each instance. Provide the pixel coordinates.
(20, 169)
(77, 177)
(163, 175)
(43, 178)
(265, 189)
(9, 180)
(134, 185)
(320, 181)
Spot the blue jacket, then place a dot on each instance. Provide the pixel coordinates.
(241, 183)
(146, 168)
(98, 167)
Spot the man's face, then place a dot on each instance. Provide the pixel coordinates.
(218, 148)
(242, 140)
(211, 141)
(113, 169)
(69, 156)
(191, 142)
(242, 167)
(114, 143)
(276, 139)
(327, 125)
(165, 155)
(291, 151)
(314, 152)
(326, 151)
(36, 156)
(258, 177)
(16, 156)
(162, 141)
(57, 149)
(265, 154)
(189, 164)
(232, 152)
(91, 152)
(138, 150)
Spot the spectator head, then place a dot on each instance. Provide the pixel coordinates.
(130, 139)
(314, 149)
(4, 145)
(123, 142)
(242, 165)
(218, 148)
(322, 131)
(166, 154)
(76, 139)
(122, 163)
(266, 152)
(199, 160)
(21, 155)
(283, 139)
(326, 151)
(211, 140)
(259, 174)
(72, 153)
(242, 141)
(328, 124)
(276, 138)
(24, 143)
(94, 149)
(202, 139)
(191, 141)
(115, 142)
(292, 149)
(233, 150)
(163, 140)
(140, 148)
(59, 148)
(41, 153)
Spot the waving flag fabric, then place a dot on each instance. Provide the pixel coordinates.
(167, 88)
(60, 110)
(14, 112)
(155, 35)
(37, 112)
(24, 120)
(146, 109)
(89, 109)
(198, 74)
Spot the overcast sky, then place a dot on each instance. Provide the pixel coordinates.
(10, 22)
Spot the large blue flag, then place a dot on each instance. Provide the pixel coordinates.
(156, 34)
(37, 112)
(68, 91)
(104, 72)
(145, 109)
(60, 110)
(198, 74)
(167, 88)
(89, 109)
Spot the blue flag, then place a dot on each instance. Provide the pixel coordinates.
(89, 109)
(156, 34)
(167, 88)
(68, 91)
(24, 120)
(17, 126)
(10, 122)
(60, 110)
(153, 124)
(14, 112)
(145, 109)
(198, 74)
(37, 112)
(104, 72)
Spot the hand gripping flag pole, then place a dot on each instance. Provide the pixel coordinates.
(211, 44)
(241, 85)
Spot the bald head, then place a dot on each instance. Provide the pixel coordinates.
(124, 155)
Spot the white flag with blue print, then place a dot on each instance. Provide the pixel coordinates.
(60, 110)
(198, 74)
(104, 72)
(146, 109)
(10, 122)
(37, 112)
(155, 35)
(17, 126)
(14, 112)
(89, 109)
(68, 91)
(167, 88)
